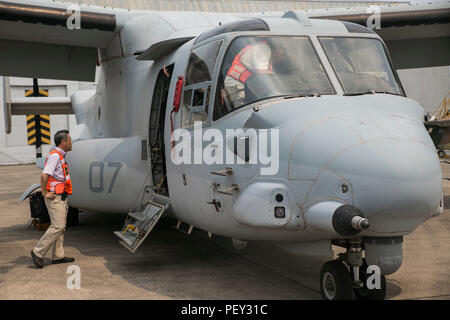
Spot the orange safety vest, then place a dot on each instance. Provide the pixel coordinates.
(238, 71)
(57, 186)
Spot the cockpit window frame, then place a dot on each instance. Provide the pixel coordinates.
(229, 39)
(386, 52)
(251, 24)
(213, 82)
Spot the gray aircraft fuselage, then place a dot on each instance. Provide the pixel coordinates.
(370, 151)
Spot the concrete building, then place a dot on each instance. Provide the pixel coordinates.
(14, 147)
(427, 85)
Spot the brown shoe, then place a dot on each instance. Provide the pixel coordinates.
(38, 262)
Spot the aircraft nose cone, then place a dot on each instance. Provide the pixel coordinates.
(396, 183)
(388, 165)
(387, 175)
(392, 161)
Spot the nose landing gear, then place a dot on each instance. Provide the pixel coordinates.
(346, 277)
(335, 281)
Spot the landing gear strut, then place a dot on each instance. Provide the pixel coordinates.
(346, 277)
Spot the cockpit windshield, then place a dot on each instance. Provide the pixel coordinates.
(256, 68)
(361, 65)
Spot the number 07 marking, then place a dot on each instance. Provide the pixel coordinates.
(100, 165)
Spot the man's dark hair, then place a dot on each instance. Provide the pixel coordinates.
(60, 136)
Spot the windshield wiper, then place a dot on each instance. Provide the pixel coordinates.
(292, 96)
(387, 92)
(300, 95)
(370, 92)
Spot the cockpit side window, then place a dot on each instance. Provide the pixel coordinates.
(199, 77)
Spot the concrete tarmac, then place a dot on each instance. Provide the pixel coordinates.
(174, 265)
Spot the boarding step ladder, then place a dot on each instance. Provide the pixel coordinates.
(138, 225)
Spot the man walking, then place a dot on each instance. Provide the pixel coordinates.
(55, 186)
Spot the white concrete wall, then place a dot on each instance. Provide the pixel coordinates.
(14, 148)
(429, 86)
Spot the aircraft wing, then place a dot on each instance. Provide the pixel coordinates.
(417, 35)
(44, 39)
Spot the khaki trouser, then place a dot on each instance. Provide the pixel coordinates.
(54, 236)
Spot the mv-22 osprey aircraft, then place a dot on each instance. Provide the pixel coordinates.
(347, 162)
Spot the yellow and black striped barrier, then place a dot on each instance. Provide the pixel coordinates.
(42, 131)
(45, 128)
(42, 93)
(38, 125)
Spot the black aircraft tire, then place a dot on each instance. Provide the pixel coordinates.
(335, 281)
(367, 294)
(441, 153)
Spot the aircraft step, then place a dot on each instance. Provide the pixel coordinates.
(161, 199)
(138, 225)
(184, 227)
(128, 239)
